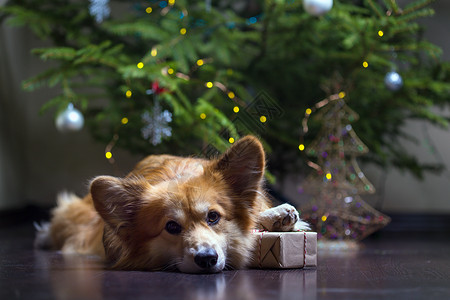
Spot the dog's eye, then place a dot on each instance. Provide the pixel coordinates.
(173, 227)
(213, 218)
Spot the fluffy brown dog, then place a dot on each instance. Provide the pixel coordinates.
(192, 214)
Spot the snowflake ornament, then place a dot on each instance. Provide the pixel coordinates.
(156, 124)
(99, 9)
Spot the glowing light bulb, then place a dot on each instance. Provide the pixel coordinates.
(308, 111)
(365, 64)
(128, 94)
(324, 218)
(200, 62)
(170, 71)
(154, 52)
(183, 31)
(231, 95)
(171, 2)
(140, 65)
(236, 109)
(124, 121)
(380, 33)
(263, 119)
(149, 10)
(328, 176)
(202, 116)
(231, 140)
(341, 95)
(301, 147)
(209, 84)
(108, 155)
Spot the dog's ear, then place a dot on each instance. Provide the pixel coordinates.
(117, 200)
(242, 166)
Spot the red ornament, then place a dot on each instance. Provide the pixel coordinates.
(157, 89)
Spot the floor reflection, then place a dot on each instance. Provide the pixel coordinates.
(81, 277)
(72, 276)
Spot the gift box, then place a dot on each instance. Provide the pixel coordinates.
(285, 250)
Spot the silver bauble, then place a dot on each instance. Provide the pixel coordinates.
(393, 81)
(317, 7)
(70, 119)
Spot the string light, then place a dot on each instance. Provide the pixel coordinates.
(170, 71)
(263, 119)
(365, 64)
(231, 140)
(236, 109)
(328, 176)
(183, 31)
(154, 52)
(108, 155)
(301, 147)
(324, 218)
(231, 95)
(209, 84)
(124, 121)
(149, 10)
(342, 95)
(128, 94)
(140, 65)
(200, 62)
(380, 33)
(308, 111)
(202, 116)
(171, 2)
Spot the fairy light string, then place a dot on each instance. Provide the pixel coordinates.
(157, 89)
(166, 7)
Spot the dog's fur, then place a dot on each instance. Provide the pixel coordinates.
(191, 214)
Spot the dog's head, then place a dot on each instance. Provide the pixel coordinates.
(192, 215)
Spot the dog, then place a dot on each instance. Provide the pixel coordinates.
(190, 214)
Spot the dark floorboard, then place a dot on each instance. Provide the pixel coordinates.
(391, 265)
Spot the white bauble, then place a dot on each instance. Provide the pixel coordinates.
(317, 7)
(393, 81)
(70, 119)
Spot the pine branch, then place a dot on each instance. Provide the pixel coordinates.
(424, 12)
(414, 6)
(376, 8)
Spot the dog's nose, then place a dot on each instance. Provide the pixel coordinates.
(206, 258)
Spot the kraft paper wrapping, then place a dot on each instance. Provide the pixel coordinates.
(280, 250)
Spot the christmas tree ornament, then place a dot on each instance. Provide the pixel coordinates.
(157, 89)
(317, 7)
(71, 119)
(156, 124)
(208, 5)
(393, 81)
(157, 121)
(336, 209)
(99, 9)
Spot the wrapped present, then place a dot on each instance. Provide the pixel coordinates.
(284, 250)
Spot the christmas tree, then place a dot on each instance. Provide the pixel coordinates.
(176, 76)
(337, 210)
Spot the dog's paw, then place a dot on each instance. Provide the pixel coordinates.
(282, 218)
(42, 239)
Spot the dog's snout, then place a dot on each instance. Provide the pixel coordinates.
(206, 258)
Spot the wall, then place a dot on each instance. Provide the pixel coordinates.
(36, 161)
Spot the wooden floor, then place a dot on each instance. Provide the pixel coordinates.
(390, 266)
